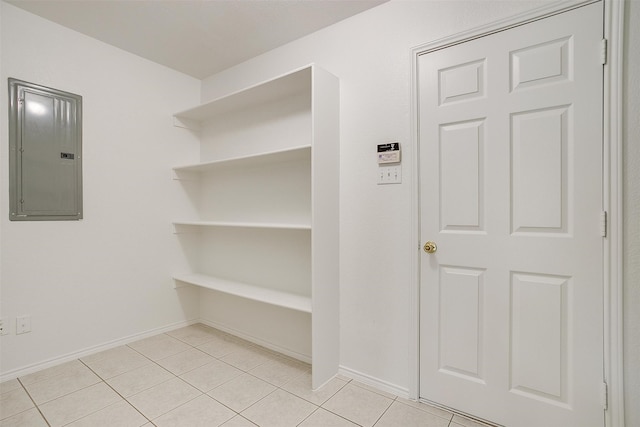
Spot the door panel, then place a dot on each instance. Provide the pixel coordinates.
(511, 304)
(461, 82)
(460, 321)
(547, 62)
(461, 171)
(539, 197)
(539, 314)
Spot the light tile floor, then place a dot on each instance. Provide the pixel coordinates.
(199, 376)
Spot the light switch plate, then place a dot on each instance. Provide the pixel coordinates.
(389, 174)
(23, 325)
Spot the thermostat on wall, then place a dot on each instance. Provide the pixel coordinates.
(389, 153)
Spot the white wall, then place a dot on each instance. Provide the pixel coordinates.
(106, 277)
(370, 53)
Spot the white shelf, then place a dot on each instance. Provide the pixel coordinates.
(297, 153)
(244, 224)
(285, 135)
(243, 290)
(297, 82)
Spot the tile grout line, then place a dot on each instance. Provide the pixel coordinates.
(385, 411)
(308, 416)
(219, 385)
(205, 393)
(248, 372)
(272, 356)
(333, 413)
(254, 376)
(174, 376)
(114, 390)
(346, 382)
(181, 379)
(177, 377)
(168, 371)
(34, 403)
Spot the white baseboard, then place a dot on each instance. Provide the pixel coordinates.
(19, 372)
(374, 382)
(287, 352)
(347, 372)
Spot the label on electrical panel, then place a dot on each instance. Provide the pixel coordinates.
(389, 153)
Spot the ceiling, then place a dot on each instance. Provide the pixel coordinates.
(196, 37)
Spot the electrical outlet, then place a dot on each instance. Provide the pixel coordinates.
(4, 326)
(23, 325)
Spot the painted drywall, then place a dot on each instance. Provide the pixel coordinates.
(118, 286)
(632, 214)
(107, 277)
(370, 53)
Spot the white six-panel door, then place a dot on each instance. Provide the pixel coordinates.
(511, 303)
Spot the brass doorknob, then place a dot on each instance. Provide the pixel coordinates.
(430, 247)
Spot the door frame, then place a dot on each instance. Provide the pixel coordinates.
(612, 192)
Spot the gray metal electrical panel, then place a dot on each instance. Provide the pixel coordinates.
(45, 153)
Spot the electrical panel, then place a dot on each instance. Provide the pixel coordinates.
(45, 153)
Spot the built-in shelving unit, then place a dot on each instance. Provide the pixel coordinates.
(295, 153)
(265, 228)
(243, 290)
(244, 225)
(283, 87)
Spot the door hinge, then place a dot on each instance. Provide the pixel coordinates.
(603, 51)
(605, 396)
(603, 224)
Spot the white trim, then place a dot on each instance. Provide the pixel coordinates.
(10, 375)
(460, 414)
(19, 372)
(484, 30)
(500, 25)
(278, 349)
(374, 382)
(414, 292)
(612, 182)
(613, 203)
